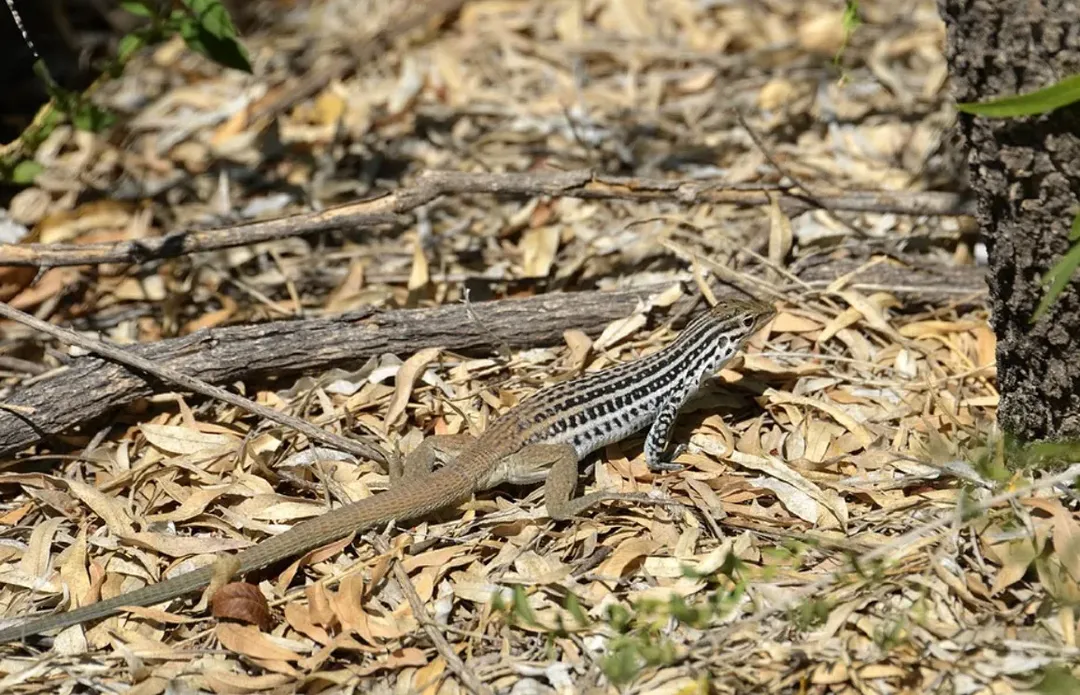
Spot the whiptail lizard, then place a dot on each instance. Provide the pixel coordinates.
(544, 438)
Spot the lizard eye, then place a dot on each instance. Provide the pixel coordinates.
(748, 321)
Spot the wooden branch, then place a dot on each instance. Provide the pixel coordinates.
(188, 242)
(360, 448)
(89, 386)
(430, 185)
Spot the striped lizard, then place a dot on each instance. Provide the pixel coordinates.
(542, 439)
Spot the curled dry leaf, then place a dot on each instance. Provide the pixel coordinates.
(300, 618)
(407, 376)
(241, 601)
(538, 247)
(629, 551)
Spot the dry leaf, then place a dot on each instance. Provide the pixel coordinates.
(231, 683)
(35, 561)
(108, 508)
(629, 551)
(182, 440)
(419, 275)
(780, 234)
(866, 439)
(620, 329)
(242, 601)
(786, 322)
(73, 571)
(247, 640)
(407, 376)
(538, 248)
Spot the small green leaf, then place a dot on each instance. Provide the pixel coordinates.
(24, 172)
(227, 52)
(618, 618)
(90, 117)
(1065, 92)
(127, 46)
(850, 20)
(623, 662)
(210, 31)
(213, 17)
(1057, 278)
(1074, 233)
(139, 8)
(522, 610)
(573, 607)
(1057, 680)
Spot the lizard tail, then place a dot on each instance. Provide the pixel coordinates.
(146, 596)
(444, 487)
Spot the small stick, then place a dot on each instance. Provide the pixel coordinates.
(926, 532)
(389, 209)
(453, 661)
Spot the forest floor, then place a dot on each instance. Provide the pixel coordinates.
(850, 520)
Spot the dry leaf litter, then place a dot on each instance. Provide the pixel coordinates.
(853, 419)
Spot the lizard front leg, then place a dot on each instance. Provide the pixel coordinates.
(659, 437)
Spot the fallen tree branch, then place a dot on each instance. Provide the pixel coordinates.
(433, 184)
(89, 387)
(168, 374)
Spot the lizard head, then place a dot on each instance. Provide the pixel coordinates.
(716, 335)
(740, 317)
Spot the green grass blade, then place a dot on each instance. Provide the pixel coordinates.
(1065, 92)
(1057, 278)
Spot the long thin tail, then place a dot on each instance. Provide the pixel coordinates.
(146, 596)
(444, 487)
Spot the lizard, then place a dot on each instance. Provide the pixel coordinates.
(542, 439)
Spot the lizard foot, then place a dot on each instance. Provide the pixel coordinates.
(667, 464)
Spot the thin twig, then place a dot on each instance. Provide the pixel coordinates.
(433, 184)
(116, 354)
(902, 543)
(433, 629)
(784, 171)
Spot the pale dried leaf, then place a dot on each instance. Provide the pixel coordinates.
(183, 440)
(407, 377)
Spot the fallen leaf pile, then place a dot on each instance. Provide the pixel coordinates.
(794, 557)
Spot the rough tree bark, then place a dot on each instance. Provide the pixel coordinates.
(1026, 174)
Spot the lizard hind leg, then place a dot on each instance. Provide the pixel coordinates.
(421, 460)
(560, 462)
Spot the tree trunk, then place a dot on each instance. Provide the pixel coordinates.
(1026, 174)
